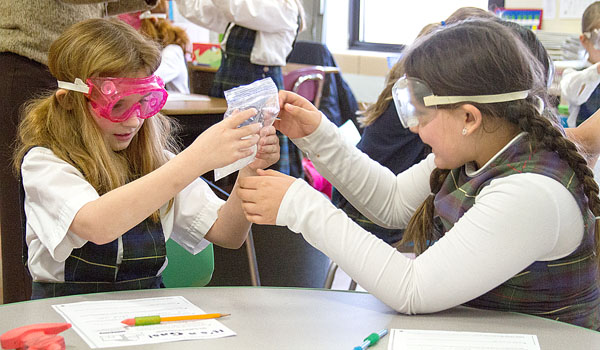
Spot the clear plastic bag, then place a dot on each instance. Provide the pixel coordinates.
(261, 95)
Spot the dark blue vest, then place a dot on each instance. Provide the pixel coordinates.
(236, 68)
(564, 289)
(590, 106)
(93, 268)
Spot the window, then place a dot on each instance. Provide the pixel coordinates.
(383, 25)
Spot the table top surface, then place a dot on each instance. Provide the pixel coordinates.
(291, 318)
(196, 104)
(285, 69)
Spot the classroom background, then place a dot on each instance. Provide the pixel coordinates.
(363, 63)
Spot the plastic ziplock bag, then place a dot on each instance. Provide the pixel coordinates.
(261, 95)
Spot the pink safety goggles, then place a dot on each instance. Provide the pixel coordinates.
(118, 99)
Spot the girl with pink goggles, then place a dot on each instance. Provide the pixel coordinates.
(118, 99)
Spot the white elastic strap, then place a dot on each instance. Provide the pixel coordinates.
(446, 100)
(79, 86)
(148, 14)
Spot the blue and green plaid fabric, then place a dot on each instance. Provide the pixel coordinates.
(93, 268)
(565, 289)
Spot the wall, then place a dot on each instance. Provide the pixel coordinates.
(365, 71)
(556, 24)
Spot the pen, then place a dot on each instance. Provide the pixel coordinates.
(148, 320)
(371, 340)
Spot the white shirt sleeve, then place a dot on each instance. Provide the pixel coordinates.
(276, 23)
(171, 63)
(380, 195)
(173, 69)
(194, 211)
(514, 222)
(203, 13)
(577, 86)
(269, 16)
(54, 193)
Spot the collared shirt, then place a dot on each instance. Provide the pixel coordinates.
(55, 191)
(515, 221)
(276, 23)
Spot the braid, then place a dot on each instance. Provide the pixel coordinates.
(420, 226)
(542, 131)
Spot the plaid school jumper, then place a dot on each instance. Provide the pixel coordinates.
(565, 289)
(93, 268)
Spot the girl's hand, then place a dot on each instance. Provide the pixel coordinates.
(224, 143)
(262, 195)
(268, 149)
(298, 116)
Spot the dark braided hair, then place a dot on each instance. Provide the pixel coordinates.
(482, 57)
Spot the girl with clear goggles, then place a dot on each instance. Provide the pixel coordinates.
(118, 99)
(415, 102)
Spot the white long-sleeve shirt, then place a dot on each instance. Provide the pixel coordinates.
(515, 221)
(276, 23)
(576, 87)
(54, 193)
(173, 69)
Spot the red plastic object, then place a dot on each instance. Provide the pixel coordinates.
(41, 336)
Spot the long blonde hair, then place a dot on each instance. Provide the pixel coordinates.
(95, 47)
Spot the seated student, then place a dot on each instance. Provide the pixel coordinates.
(494, 158)
(173, 41)
(581, 88)
(103, 187)
(385, 141)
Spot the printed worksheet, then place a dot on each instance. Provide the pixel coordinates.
(409, 339)
(99, 322)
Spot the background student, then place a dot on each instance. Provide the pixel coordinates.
(495, 156)
(258, 37)
(580, 88)
(387, 142)
(103, 187)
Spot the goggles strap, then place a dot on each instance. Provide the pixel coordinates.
(78, 86)
(148, 14)
(433, 100)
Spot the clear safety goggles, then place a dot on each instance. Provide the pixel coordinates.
(118, 99)
(594, 37)
(416, 103)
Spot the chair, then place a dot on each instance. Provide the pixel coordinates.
(307, 82)
(331, 275)
(337, 101)
(186, 269)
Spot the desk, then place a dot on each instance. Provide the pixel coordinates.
(201, 77)
(293, 66)
(282, 318)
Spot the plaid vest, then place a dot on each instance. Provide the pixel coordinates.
(236, 68)
(565, 289)
(93, 268)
